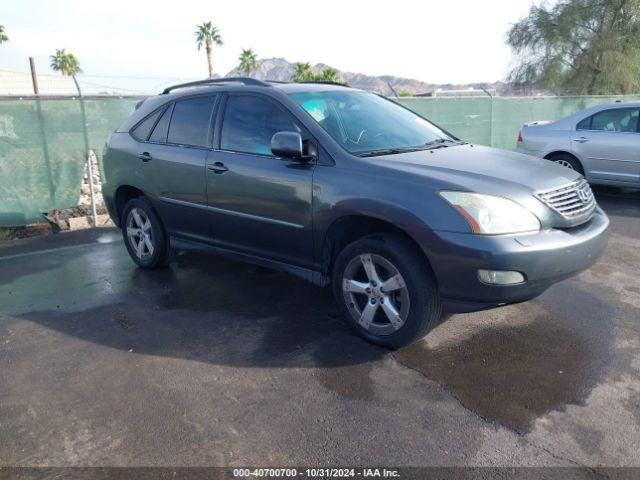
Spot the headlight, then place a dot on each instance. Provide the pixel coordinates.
(490, 215)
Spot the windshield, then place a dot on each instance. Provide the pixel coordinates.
(366, 123)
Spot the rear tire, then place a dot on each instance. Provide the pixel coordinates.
(385, 290)
(568, 161)
(144, 234)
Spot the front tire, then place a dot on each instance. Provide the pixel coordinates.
(144, 234)
(386, 291)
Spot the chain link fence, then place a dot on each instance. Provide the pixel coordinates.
(44, 145)
(44, 142)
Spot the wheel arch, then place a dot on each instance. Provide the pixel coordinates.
(550, 155)
(349, 228)
(123, 194)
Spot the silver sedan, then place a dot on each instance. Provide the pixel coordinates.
(601, 142)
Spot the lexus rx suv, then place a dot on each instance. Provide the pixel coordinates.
(344, 187)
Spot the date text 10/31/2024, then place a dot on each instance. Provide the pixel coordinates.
(316, 473)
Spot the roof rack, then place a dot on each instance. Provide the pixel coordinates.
(324, 82)
(212, 81)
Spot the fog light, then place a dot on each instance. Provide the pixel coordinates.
(500, 277)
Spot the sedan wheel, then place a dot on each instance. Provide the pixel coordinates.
(568, 161)
(376, 294)
(564, 163)
(140, 233)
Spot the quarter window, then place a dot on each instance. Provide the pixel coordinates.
(250, 122)
(141, 132)
(616, 120)
(190, 121)
(159, 133)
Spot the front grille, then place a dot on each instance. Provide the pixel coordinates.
(571, 201)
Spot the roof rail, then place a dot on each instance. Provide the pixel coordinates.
(211, 81)
(324, 82)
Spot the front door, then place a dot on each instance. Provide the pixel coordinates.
(609, 144)
(259, 204)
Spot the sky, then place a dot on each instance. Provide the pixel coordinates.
(452, 41)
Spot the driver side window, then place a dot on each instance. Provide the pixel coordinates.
(250, 122)
(616, 120)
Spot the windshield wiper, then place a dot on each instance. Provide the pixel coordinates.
(389, 151)
(437, 143)
(440, 142)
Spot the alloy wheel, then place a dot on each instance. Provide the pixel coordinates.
(139, 233)
(564, 163)
(376, 294)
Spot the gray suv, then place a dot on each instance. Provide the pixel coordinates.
(347, 188)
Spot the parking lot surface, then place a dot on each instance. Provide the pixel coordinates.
(213, 362)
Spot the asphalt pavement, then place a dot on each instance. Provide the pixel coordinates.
(213, 362)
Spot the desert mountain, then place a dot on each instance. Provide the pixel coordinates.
(282, 70)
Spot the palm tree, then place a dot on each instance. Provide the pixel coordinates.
(207, 34)
(248, 61)
(303, 73)
(3, 35)
(329, 75)
(65, 63)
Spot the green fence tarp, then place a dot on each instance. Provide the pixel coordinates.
(496, 122)
(43, 151)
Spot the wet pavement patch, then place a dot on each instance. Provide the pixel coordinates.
(209, 309)
(124, 321)
(510, 375)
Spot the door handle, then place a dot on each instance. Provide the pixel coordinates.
(218, 167)
(145, 157)
(581, 140)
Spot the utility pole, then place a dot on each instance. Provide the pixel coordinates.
(34, 77)
(43, 135)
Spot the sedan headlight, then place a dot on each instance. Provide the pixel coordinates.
(490, 215)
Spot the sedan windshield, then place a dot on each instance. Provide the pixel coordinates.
(366, 124)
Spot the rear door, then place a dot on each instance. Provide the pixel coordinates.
(177, 150)
(609, 144)
(259, 204)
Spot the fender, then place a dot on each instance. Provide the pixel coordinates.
(327, 224)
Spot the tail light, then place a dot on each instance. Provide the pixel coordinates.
(519, 136)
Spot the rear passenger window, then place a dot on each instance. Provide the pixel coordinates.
(250, 122)
(162, 127)
(190, 121)
(141, 132)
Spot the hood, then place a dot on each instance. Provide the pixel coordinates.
(476, 168)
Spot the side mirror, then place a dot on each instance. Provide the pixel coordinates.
(288, 145)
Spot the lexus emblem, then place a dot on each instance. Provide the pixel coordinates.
(584, 195)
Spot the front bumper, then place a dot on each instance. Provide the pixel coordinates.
(544, 258)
